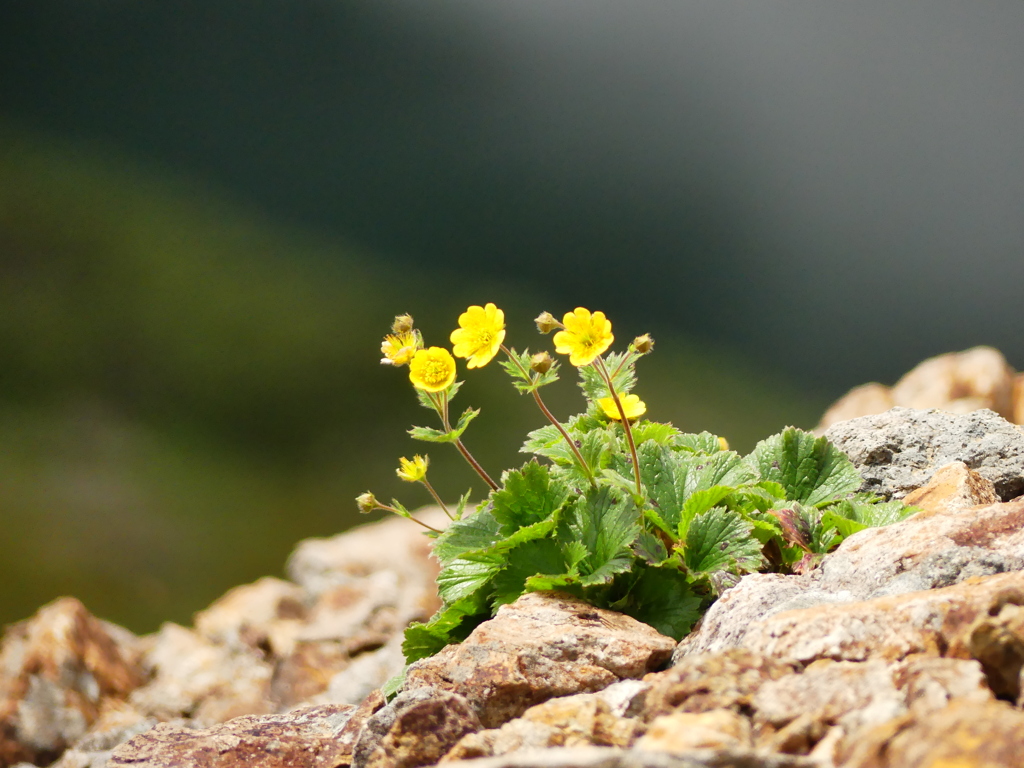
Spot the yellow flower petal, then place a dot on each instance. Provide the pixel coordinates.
(479, 335)
(398, 348)
(432, 370)
(631, 404)
(586, 336)
(412, 471)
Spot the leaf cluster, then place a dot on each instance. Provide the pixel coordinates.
(703, 517)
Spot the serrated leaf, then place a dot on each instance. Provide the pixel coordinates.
(478, 531)
(431, 435)
(527, 496)
(462, 576)
(463, 501)
(658, 473)
(394, 685)
(534, 558)
(662, 434)
(621, 365)
(844, 525)
(517, 365)
(549, 443)
(662, 598)
(810, 469)
(451, 624)
(704, 442)
(701, 501)
(649, 548)
(606, 524)
(720, 539)
(565, 582)
(424, 397)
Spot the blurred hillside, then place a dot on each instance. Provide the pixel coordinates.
(187, 389)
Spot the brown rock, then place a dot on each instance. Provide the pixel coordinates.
(209, 682)
(710, 681)
(305, 738)
(542, 646)
(571, 721)
(1018, 399)
(865, 400)
(965, 733)
(996, 640)
(935, 549)
(959, 382)
(415, 729)
(934, 622)
(834, 693)
(263, 616)
(684, 731)
(57, 671)
(953, 488)
(930, 683)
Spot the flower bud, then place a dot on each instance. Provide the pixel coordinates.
(541, 362)
(643, 344)
(546, 322)
(723, 444)
(402, 324)
(366, 502)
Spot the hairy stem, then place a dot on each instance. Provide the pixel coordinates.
(625, 422)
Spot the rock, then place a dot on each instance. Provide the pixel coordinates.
(116, 725)
(684, 731)
(849, 694)
(865, 400)
(305, 738)
(571, 721)
(711, 681)
(958, 382)
(264, 616)
(934, 622)
(930, 683)
(208, 682)
(542, 646)
(610, 757)
(953, 488)
(898, 451)
(964, 733)
(415, 729)
(58, 670)
(996, 640)
(934, 549)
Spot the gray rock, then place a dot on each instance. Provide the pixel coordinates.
(899, 450)
(608, 757)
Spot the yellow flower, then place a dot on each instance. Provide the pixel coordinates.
(398, 348)
(631, 404)
(723, 443)
(479, 335)
(412, 471)
(585, 337)
(432, 370)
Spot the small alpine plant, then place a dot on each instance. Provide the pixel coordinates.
(626, 513)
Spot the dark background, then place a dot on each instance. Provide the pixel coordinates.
(210, 211)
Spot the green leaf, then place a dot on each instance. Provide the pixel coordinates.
(649, 548)
(424, 397)
(463, 500)
(451, 624)
(658, 473)
(524, 378)
(621, 365)
(431, 435)
(662, 434)
(606, 524)
(534, 558)
(844, 525)
(394, 685)
(661, 597)
(549, 443)
(811, 469)
(527, 496)
(478, 531)
(464, 576)
(701, 501)
(705, 442)
(721, 540)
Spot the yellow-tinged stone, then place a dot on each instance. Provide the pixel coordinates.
(682, 731)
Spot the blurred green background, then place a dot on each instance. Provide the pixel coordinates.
(211, 210)
(187, 390)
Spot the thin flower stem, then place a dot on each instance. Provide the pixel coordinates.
(558, 425)
(410, 517)
(437, 498)
(599, 362)
(442, 410)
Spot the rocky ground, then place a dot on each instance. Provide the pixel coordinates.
(904, 648)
